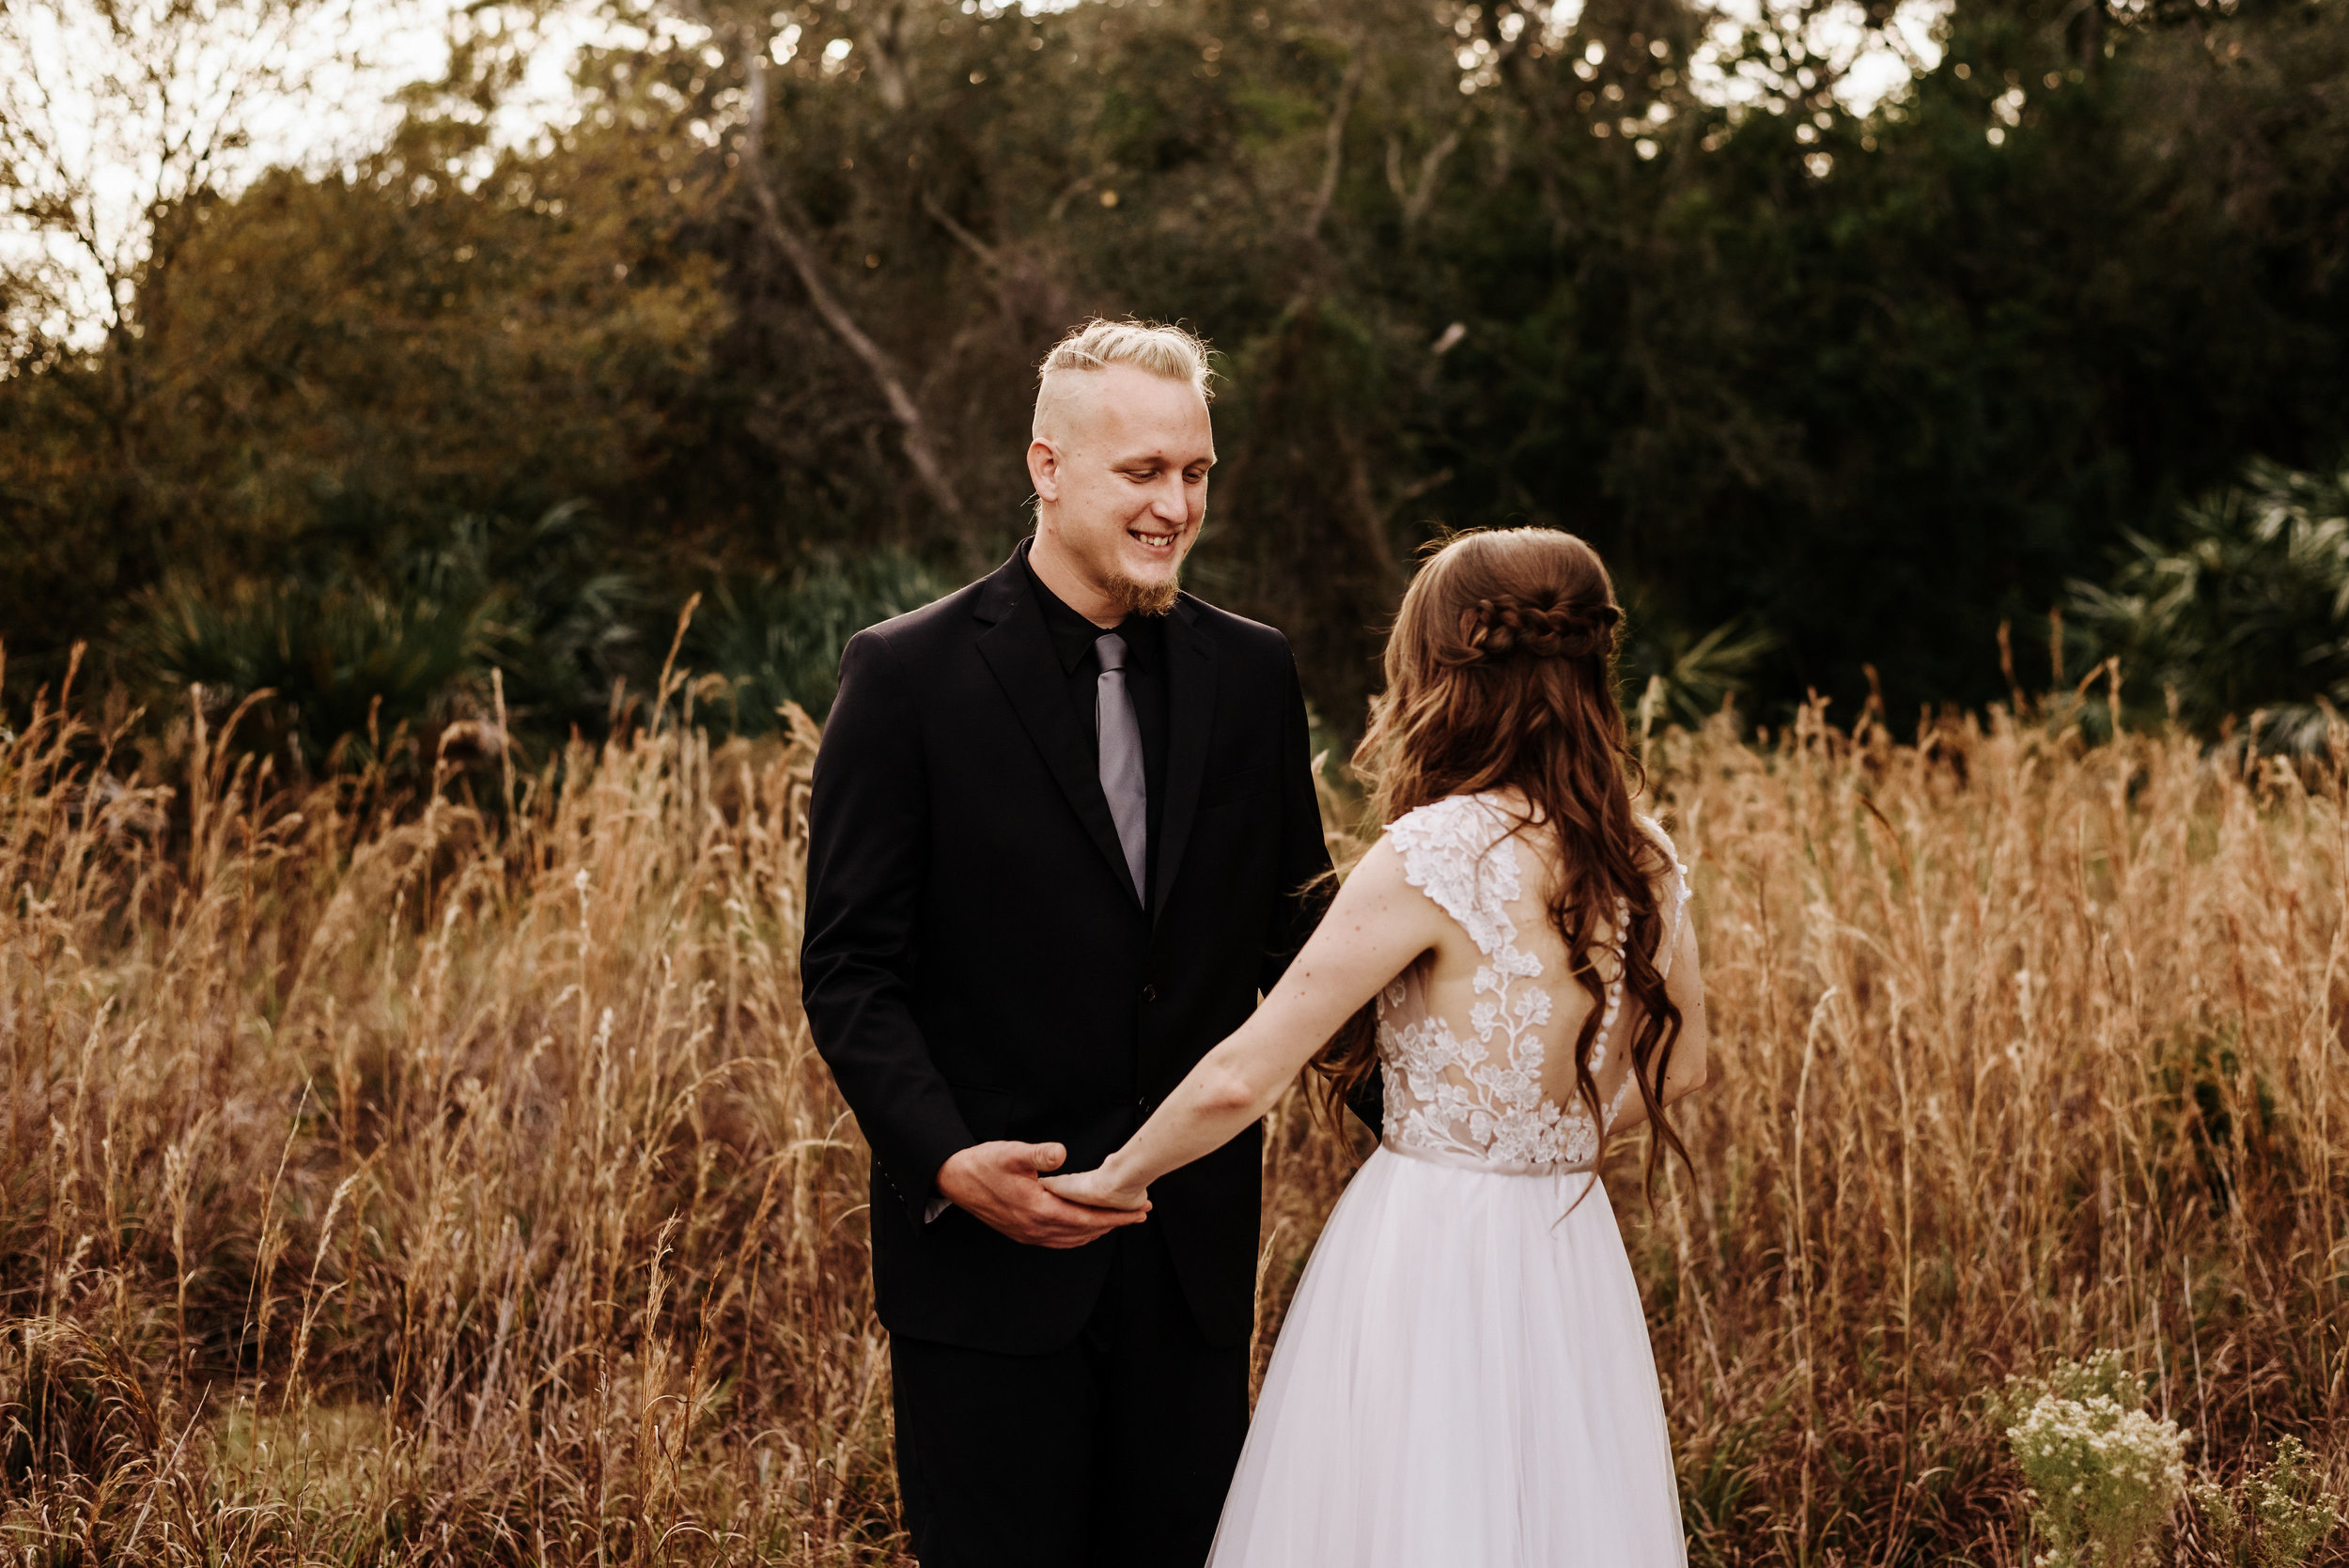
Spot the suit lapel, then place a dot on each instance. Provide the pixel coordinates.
(1191, 712)
(1018, 650)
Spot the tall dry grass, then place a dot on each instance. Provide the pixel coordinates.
(451, 1179)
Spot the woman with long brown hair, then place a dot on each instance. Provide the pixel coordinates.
(1464, 1377)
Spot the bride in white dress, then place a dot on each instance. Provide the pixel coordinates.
(1464, 1379)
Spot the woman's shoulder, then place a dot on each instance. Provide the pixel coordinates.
(1447, 850)
(1655, 831)
(1669, 871)
(1472, 823)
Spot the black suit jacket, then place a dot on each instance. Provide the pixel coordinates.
(977, 967)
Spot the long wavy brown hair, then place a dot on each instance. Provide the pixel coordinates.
(1500, 673)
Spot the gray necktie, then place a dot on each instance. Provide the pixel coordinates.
(1122, 778)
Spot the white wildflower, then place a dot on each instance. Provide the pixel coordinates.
(2103, 1474)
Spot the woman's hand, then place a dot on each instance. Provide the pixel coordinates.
(1097, 1189)
(996, 1182)
(1376, 927)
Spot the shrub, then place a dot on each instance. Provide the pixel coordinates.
(777, 640)
(379, 619)
(2283, 1514)
(2104, 1473)
(2244, 613)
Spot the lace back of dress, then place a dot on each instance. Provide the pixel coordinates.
(1496, 1087)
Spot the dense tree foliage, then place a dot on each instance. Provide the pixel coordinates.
(2242, 613)
(1833, 389)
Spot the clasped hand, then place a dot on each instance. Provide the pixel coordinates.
(1096, 1190)
(1003, 1184)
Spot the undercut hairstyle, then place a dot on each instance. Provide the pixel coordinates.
(1175, 352)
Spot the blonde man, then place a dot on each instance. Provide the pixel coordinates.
(1060, 821)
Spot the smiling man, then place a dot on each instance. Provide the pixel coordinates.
(1119, 459)
(1062, 822)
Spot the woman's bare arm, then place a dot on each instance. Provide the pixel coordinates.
(1690, 1071)
(1690, 1066)
(1377, 924)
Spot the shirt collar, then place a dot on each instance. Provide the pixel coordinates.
(1073, 635)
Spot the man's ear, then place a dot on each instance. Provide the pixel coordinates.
(1044, 468)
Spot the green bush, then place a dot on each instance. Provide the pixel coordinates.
(1671, 673)
(347, 665)
(2277, 1517)
(379, 622)
(777, 639)
(2103, 1474)
(2243, 615)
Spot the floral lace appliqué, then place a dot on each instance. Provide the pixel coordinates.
(1482, 1099)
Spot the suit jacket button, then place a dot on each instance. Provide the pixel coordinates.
(1149, 993)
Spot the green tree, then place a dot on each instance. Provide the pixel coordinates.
(1866, 379)
(2241, 611)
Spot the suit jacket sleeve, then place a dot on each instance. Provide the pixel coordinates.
(1304, 856)
(868, 843)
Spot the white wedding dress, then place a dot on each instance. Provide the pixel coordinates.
(1464, 1379)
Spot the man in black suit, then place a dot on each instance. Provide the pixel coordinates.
(1060, 825)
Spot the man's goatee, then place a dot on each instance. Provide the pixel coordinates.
(1146, 598)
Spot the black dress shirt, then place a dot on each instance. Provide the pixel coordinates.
(1073, 638)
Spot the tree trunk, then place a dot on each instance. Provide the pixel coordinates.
(914, 431)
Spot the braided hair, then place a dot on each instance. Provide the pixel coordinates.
(1504, 626)
(1500, 675)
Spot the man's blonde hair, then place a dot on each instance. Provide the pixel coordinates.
(1172, 351)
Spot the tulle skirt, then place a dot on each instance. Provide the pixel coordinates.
(1464, 1381)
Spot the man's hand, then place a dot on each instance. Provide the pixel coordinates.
(1097, 1189)
(998, 1183)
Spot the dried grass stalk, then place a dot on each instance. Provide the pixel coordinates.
(446, 1182)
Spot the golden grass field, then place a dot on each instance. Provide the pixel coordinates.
(446, 1176)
